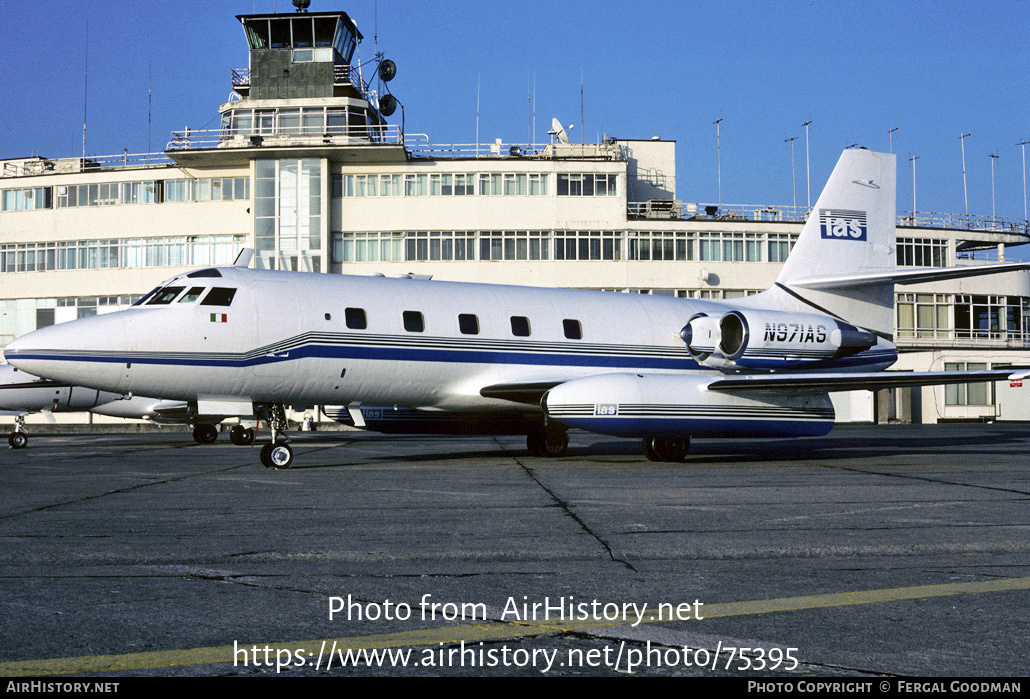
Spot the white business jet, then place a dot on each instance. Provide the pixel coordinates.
(235, 340)
(21, 394)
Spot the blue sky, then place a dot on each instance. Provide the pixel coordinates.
(857, 69)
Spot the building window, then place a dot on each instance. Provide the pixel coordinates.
(922, 252)
(588, 245)
(967, 393)
(924, 315)
(27, 199)
(587, 185)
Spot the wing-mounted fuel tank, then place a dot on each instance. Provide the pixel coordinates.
(754, 339)
(676, 405)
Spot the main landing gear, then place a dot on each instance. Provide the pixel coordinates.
(668, 449)
(242, 436)
(205, 433)
(548, 441)
(208, 434)
(276, 454)
(19, 439)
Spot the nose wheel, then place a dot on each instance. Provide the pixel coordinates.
(276, 454)
(19, 439)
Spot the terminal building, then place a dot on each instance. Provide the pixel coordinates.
(307, 169)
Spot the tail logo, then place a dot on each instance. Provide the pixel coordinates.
(842, 224)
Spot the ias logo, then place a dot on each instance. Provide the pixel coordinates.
(842, 224)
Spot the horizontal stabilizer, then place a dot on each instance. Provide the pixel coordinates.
(859, 380)
(915, 276)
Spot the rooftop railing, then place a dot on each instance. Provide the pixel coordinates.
(798, 214)
(26, 167)
(188, 139)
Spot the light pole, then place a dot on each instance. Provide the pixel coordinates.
(912, 159)
(718, 154)
(890, 134)
(1022, 145)
(965, 192)
(808, 172)
(793, 178)
(994, 156)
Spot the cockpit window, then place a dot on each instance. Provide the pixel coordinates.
(192, 295)
(143, 299)
(219, 296)
(165, 295)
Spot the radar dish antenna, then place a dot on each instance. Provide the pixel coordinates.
(387, 70)
(387, 104)
(559, 130)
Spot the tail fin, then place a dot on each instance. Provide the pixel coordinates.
(850, 232)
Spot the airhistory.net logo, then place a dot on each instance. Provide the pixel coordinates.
(842, 224)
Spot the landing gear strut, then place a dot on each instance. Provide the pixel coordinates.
(668, 449)
(19, 439)
(276, 454)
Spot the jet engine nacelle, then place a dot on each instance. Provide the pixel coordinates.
(676, 405)
(749, 339)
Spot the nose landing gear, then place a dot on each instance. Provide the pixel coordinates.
(276, 454)
(19, 439)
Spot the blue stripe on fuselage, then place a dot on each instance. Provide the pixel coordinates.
(423, 354)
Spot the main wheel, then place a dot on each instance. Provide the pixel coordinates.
(241, 436)
(18, 440)
(668, 449)
(205, 434)
(547, 444)
(278, 456)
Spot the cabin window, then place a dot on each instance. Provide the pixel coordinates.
(356, 319)
(573, 329)
(165, 296)
(219, 296)
(413, 322)
(468, 324)
(192, 295)
(520, 326)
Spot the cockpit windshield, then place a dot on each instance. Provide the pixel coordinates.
(219, 296)
(165, 295)
(143, 299)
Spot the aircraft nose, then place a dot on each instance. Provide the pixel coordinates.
(78, 352)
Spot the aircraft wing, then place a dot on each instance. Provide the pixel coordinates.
(859, 380)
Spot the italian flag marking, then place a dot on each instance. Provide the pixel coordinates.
(219, 318)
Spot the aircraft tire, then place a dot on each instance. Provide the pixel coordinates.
(241, 436)
(205, 434)
(278, 455)
(18, 440)
(548, 445)
(666, 449)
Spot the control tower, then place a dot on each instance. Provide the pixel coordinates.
(303, 91)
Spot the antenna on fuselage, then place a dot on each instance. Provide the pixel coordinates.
(244, 258)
